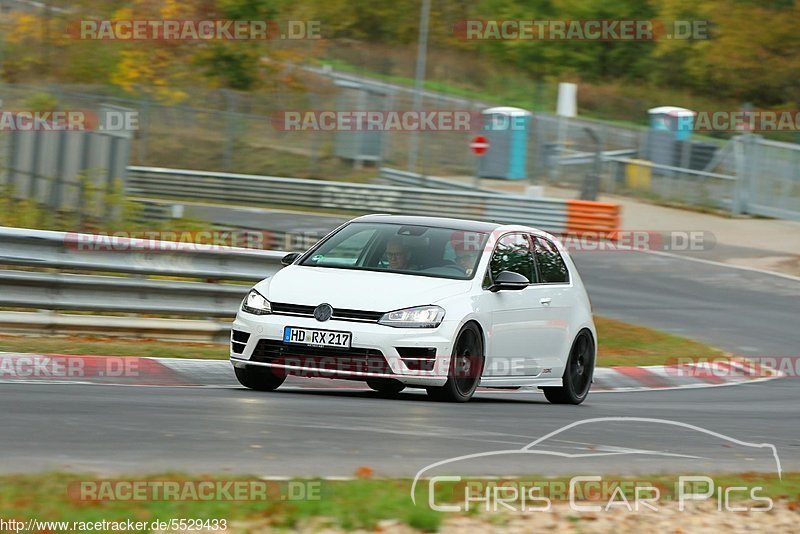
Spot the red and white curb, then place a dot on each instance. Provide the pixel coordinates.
(176, 372)
(685, 375)
(68, 368)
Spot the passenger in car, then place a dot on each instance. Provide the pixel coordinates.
(466, 251)
(466, 260)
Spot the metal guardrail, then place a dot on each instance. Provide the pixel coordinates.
(583, 157)
(146, 257)
(420, 180)
(120, 274)
(49, 322)
(243, 189)
(96, 265)
(94, 254)
(670, 168)
(59, 291)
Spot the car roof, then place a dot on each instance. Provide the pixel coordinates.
(441, 222)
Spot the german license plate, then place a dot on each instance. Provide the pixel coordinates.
(317, 338)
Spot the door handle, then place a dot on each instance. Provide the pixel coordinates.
(545, 301)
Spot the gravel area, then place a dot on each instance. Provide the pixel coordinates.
(700, 517)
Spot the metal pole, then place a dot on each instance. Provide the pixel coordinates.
(422, 48)
(227, 150)
(591, 181)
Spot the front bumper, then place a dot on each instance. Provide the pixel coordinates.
(367, 337)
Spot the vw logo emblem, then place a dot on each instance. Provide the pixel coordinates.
(323, 312)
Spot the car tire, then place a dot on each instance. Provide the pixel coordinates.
(466, 366)
(578, 373)
(258, 378)
(386, 386)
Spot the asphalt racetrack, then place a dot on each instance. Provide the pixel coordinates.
(325, 432)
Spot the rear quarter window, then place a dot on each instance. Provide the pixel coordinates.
(552, 268)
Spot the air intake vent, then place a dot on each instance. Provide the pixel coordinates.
(320, 358)
(418, 358)
(238, 341)
(239, 336)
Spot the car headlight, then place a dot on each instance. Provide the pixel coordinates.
(417, 317)
(256, 304)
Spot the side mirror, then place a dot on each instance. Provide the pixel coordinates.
(289, 258)
(509, 281)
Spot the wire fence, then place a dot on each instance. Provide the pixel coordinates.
(229, 131)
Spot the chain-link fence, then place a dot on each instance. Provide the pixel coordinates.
(770, 178)
(239, 132)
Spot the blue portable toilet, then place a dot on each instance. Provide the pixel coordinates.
(679, 121)
(670, 130)
(506, 129)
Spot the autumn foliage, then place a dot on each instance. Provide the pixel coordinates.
(753, 55)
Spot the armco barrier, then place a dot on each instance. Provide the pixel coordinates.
(88, 289)
(552, 215)
(60, 291)
(88, 286)
(108, 254)
(419, 180)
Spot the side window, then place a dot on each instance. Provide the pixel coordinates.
(513, 253)
(552, 268)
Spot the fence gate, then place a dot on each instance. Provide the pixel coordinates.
(770, 178)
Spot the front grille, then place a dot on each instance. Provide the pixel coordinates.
(301, 310)
(320, 358)
(292, 309)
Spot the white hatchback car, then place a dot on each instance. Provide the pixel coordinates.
(442, 304)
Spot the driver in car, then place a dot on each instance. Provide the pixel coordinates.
(398, 255)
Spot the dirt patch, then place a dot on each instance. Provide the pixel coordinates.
(778, 264)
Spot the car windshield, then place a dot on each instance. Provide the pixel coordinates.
(407, 249)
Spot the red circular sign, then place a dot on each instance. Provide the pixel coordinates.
(479, 144)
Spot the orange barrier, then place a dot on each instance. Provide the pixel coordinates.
(595, 218)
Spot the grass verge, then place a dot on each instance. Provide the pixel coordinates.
(620, 344)
(362, 503)
(623, 343)
(108, 346)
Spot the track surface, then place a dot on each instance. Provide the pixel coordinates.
(305, 432)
